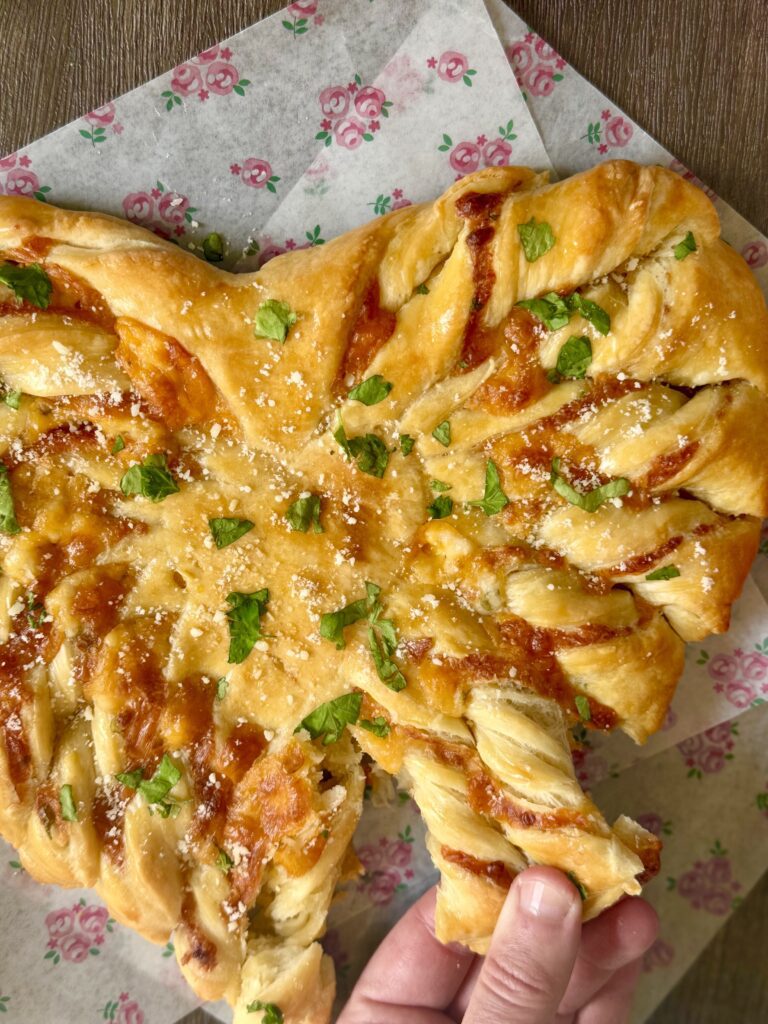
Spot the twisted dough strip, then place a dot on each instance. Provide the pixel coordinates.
(503, 621)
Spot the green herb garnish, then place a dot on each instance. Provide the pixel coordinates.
(592, 500)
(12, 399)
(666, 572)
(686, 247)
(272, 1012)
(244, 617)
(442, 433)
(333, 624)
(406, 443)
(30, 283)
(441, 507)
(371, 391)
(213, 247)
(273, 320)
(224, 862)
(579, 885)
(156, 789)
(371, 453)
(551, 309)
(118, 445)
(582, 706)
(303, 513)
(8, 523)
(596, 315)
(67, 802)
(329, 720)
(438, 485)
(536, 238)
(226, 531)
(573, 360)
(379, 726)
(222, 685)
(494, 499)
(150, 478)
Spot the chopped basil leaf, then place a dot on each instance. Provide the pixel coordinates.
(379, 726)
(119, 444)
(332, 624)
(35, 612)
(438, 485)
(67, 802)
(12, 399)
(213, 247)
(244, 617)
(382, 646)
(579, 885)
(222, 685)
(592, 500)
(422, 289)
(8, 522)
(494, 499)
(273, 1014)
(573, 360)
(441, 507)
(537, 239)
(371, 453)
(150, 478)
(273, 320)
(582, 706)
(325, 833)
(596, 315)
(226, 531)
(329, 719)
(666, 572)
(130, 779)
(30, 283)
(371, 391)
(406, 444)
(224, 862)
(303, 513)
(551, 309)
(686, 247)
(442, 433)
(155, 790)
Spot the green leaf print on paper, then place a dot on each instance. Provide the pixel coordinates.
(314, 237)
(95, 135)
(171, 99)
(4, 1000)
(447, 143)
(297, 27)
(382, 204)
(593, 133)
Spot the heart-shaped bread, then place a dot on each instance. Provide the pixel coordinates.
(430, 494)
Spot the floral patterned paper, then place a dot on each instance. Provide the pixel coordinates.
(227, 142)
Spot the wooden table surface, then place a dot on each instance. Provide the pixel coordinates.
(692, 72)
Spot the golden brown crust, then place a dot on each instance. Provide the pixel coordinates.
(505, 627)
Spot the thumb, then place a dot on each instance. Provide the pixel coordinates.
(532, 953)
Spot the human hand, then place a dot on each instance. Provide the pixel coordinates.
(542, 967)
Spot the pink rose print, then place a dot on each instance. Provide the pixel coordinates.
(497, 153)
(101, 115)
(618, 131)
(74, 934)
(402, 81)
(709, 885)
(303, 7)
(535, 64)
(173, 207)
(331, 943)
(454, 67)
(123, 1010)
(741, 678)
(138, 207)
(218, 76)
(707, 752)
(8, 161)
(465, 157)
(186, 79)
(387, 867)
(590, 766)
(21, 182)
(339, 123)
(688, 175)
(299, 14)
(257, 173)
(654, 823)
(540, 81)
(661, 954)
(349, 132)
(334, 101)
(369, 101)
(269, 250)
(755, 253)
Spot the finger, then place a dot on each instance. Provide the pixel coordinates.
(613, 1003)
(532, 953)
(411, 968)
(618, 937)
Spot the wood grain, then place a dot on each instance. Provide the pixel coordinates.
(692, 72)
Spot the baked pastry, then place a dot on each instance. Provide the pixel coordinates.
(432, 493)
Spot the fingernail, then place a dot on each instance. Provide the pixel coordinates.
(544, 901)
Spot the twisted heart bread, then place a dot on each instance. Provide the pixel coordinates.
(371, 500)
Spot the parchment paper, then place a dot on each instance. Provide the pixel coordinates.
(300, 127)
